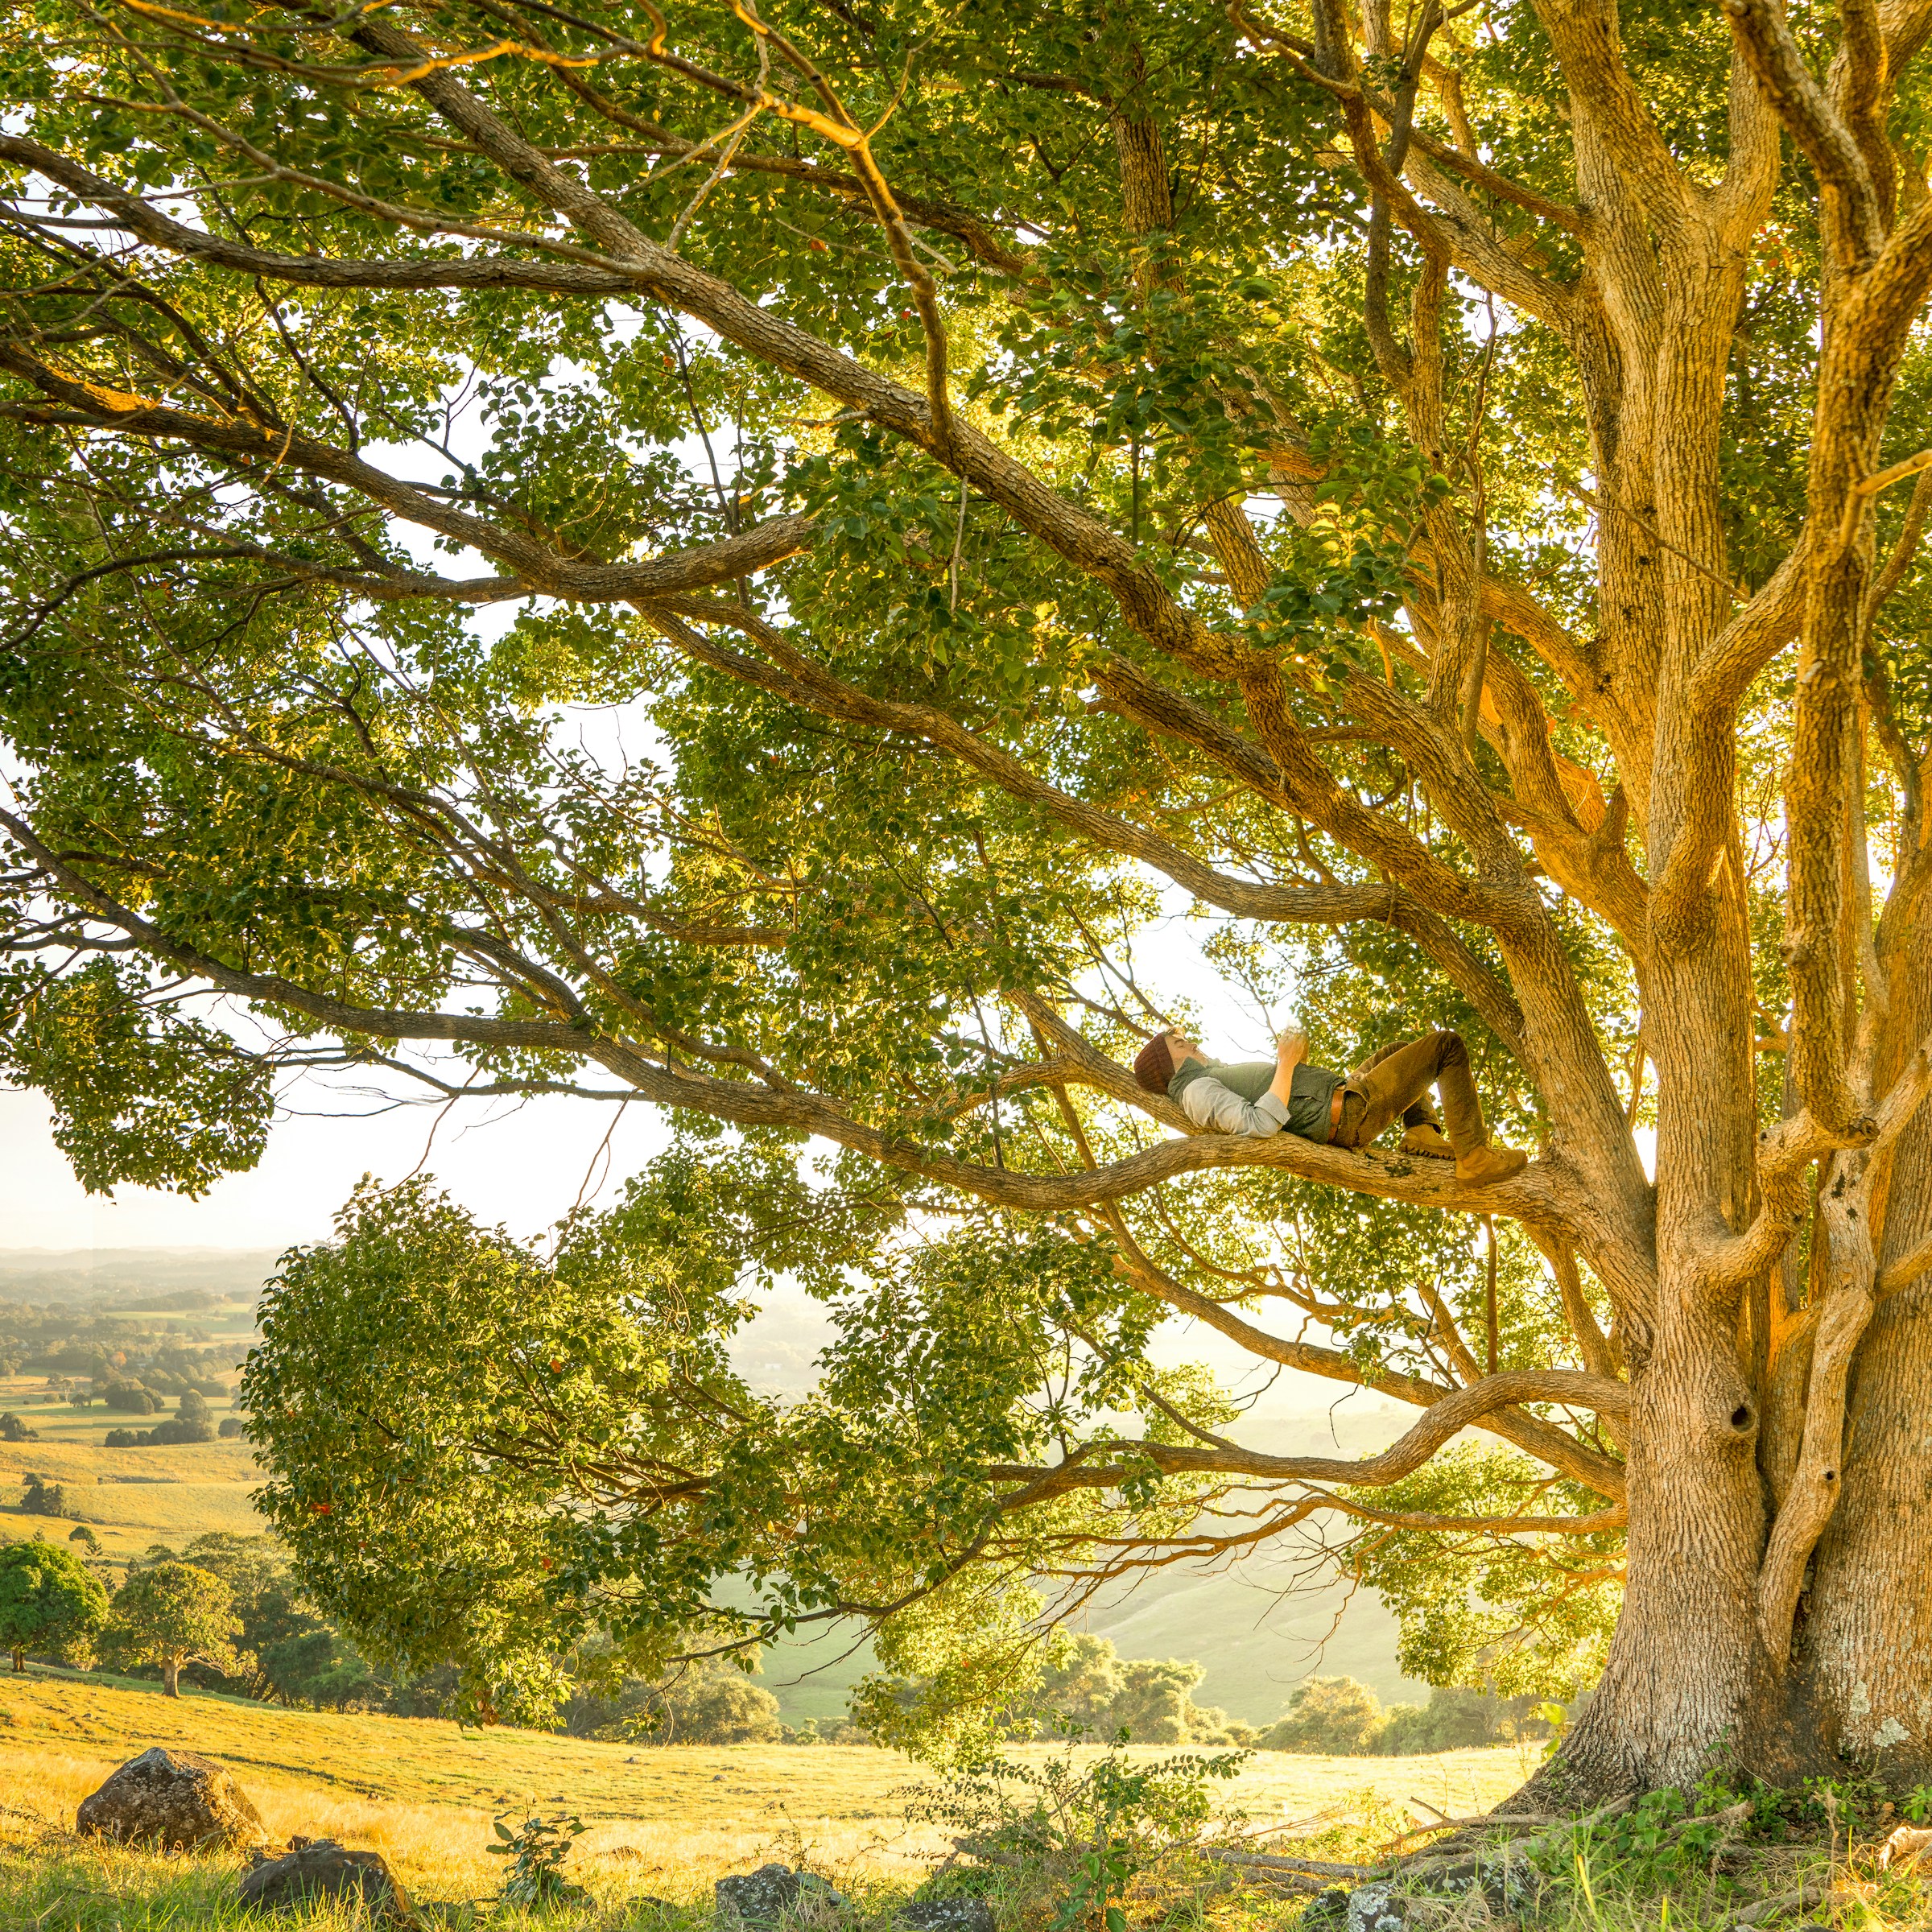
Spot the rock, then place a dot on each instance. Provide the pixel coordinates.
(1377, 1909)
(174, 1800)
(763, 1896)
(961, 1913)
(1326, 1909)
(1508, 1887)
(318, 1868)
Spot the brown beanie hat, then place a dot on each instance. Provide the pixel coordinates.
(1154, 1066)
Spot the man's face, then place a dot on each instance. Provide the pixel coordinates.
(1182, 1050)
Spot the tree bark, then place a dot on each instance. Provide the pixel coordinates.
(1687, 1671)
(1865, 1642)
(171, 1678)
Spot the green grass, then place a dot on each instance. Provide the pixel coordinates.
(666, 1822)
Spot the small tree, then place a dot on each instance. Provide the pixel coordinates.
(175, 1614)
(50, 1603)
(13, 1430)
(192, 1424)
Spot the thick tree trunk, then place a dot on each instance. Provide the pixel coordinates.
(1865, 1639)
(19, 1661)
(1687, 1673)
(170, 1678)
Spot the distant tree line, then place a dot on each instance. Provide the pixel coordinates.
(225, 1614)
(130, 1366)
(1336, 1715)
(1093, 1687)
(191, 1422)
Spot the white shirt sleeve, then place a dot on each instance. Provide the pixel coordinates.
(1217, 1108)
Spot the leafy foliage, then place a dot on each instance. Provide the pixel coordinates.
(869, 844)
(175, 1613)
(1088, 1836)
(537, 1849)
(50, 1603)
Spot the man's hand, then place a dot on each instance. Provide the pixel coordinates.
(1291, 1048)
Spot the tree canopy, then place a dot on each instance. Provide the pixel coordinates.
(767, 566)
(50, 1603)
(173, 1613)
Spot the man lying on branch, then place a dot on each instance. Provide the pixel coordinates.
(1350, 1110)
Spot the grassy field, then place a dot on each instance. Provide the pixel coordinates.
(667, 1822)
(183, 1491)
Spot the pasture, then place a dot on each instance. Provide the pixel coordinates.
(665, 1822)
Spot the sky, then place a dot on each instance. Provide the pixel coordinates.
(525, 1165)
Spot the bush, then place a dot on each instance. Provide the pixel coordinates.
(1080, 1843)
(13, 1430)
(707, 1701)
(123, 1438)
(1457, 1718)
(232, 1426)
(130, 1398)
(1327, 1715)
(43, 1498)
(1093, 1686)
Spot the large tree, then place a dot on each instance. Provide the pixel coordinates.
(1413, 487)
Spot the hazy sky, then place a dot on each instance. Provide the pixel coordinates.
(523, 1164)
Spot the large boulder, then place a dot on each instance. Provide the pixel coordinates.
(174, 1801)
(764, 1896)
(315, 1868)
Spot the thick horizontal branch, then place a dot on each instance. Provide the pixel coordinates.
(1535, 1193)
(1535, 1437)
(542, 568)
(1440, 1422)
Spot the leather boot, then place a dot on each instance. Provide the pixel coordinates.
(1486, 1166)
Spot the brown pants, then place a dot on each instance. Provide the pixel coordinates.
(1397, 1081)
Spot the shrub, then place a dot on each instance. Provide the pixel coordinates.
(1327, 1715)
(123, 1438)
(43, 1498)
(1458, 1718)
(538, 1847)
(1093, 1686)
(1080, 1841)
(191, 1423)
(708, 1700)
(13, 1430)
(232, 1426)
(130, 1398)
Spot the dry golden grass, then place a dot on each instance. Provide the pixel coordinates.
(668, 1821)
